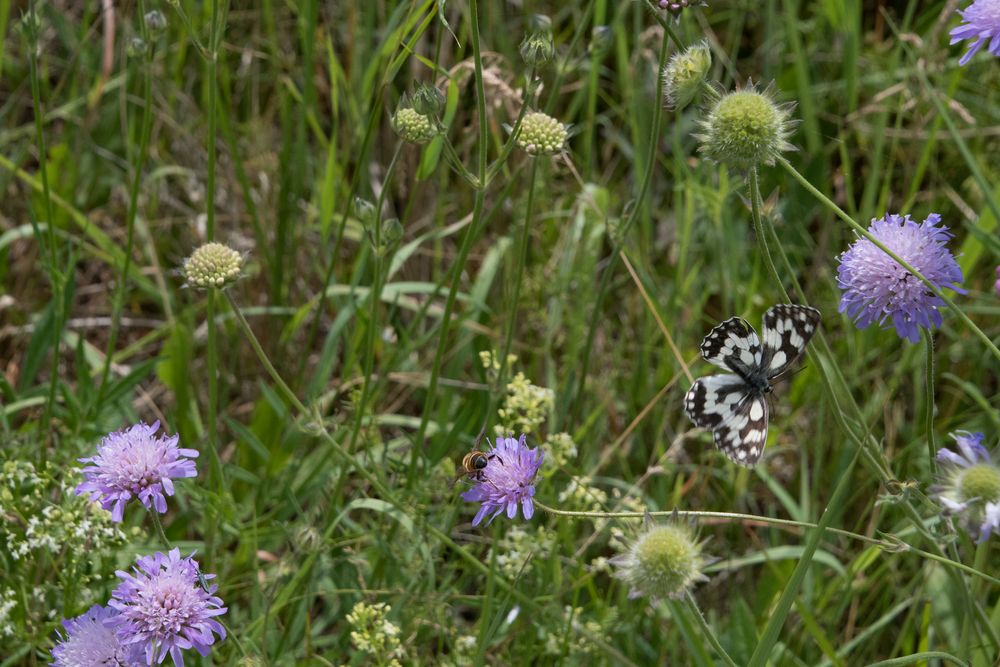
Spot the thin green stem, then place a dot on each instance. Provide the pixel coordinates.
(929, 398)
(159, 529)
(937, 291)
(706, 630)
(522, 260)
(376, 297)
(58, 301)
(463, 252)
(890, 544)
(626, 225)
(145, 129)
(758, 227)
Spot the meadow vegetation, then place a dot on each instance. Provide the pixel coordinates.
(312, 254)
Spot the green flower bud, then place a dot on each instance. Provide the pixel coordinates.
(540, 23)
(136, 47)
(364, 211)
(745, 129)
(685, 74)
(212, 265)
(537, 49)
(156, 22)
(413, 126)
(428, 101)
(541, 134)
(664, 562)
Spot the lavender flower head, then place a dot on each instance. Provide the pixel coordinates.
(508, 479)
(982, 23)
(135, 462)
(971, 484)
(163, 608)
(876, 288)
(89, 641)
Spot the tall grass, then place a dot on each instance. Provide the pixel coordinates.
(334, 389)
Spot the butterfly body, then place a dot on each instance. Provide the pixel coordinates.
(734, 405)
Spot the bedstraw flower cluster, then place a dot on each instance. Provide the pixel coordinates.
(372, 633)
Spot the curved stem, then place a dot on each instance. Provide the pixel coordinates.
(937, 291)
(159, 529)
(626, 225)
(706, 630)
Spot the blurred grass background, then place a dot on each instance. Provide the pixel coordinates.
(305, 94)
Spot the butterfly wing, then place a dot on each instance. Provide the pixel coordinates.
(787, 330)
(735, 412)
(733, 346)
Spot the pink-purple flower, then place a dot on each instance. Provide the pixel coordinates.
(970, 485)
(165, 606)
(89, 641)
(507, 480)
(982, 24)
(137, 463)
(876, 288)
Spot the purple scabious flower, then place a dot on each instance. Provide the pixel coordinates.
(876, 287)
(165, 608)
(135, 462)
(508, 479)
(970, 485)
(89, 641)
(982, 24)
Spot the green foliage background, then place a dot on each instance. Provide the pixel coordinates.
(300, 526)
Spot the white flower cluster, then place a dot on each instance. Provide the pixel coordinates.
(526, 406)
(373, 634)
(7, 603)
(560, 449)
(576, 637)
(519, 543)
(41, 514)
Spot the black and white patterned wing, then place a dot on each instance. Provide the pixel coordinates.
(733, 345)
(711, 399)
(736, 413)
(743, 434)
(787, 330)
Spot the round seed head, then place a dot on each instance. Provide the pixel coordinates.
(685, 74)
(212, 265)
(664, 562)
(746, 128)
(413, 126)
(541, 134)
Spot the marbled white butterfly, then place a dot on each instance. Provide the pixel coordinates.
(734, 405)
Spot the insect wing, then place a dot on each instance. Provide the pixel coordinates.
(787, 330)
(712, 399)
(742, 434)
(733, 346)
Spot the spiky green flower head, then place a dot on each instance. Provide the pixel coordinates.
(746, 128)
(664, 561)
(413, 126)
(213, 265)
(684, 75)
(541, 134)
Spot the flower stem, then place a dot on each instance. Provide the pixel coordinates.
(145, 129)
(376, 298)
(692, 606)
(463, 252)
(522, 260)
(890, 544)
(159, 529)
(929, 398)
(758, 227)
(938, 292)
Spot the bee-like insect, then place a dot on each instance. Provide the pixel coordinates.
(474, 463)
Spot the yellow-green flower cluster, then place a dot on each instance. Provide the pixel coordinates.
(212, 265)
(541, 134)
(492, 364)
(581, 640)
(413, 126)
(373, 634)
(526, 406)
